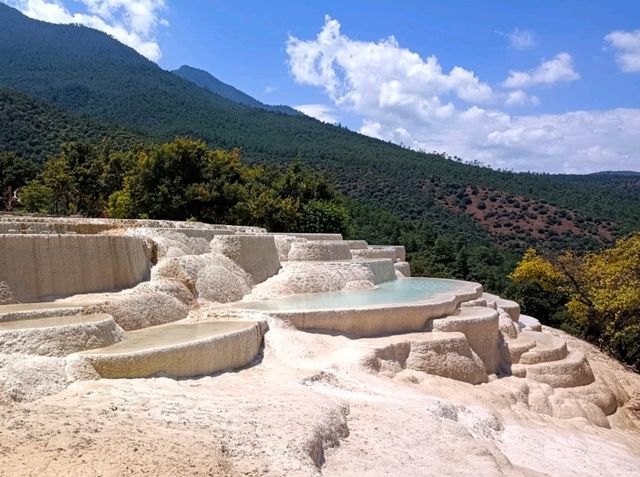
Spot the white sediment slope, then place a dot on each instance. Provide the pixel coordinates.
(166, 348)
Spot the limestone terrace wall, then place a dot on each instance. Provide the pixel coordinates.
(39, 267)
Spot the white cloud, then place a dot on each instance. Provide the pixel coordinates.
(269, 89)
(405, 99)
(521, 39)
(520, 98)
(627, 46)
(560, 68)
(321, 112)
(132, 22)
(365, 74)
(575, 142)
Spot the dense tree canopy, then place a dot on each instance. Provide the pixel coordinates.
(180, 180)
(34, 129)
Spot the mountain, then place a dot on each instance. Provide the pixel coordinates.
(208, 81)
(84, 71)
(36, 129)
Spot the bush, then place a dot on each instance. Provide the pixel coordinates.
(36, 197)
(321, 216)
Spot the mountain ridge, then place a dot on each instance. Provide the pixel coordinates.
(206, 80)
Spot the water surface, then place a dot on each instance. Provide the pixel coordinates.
(402, 291)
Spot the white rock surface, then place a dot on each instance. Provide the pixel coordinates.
(319, 251)
(6, 295)
(44, 266)
(255, 254)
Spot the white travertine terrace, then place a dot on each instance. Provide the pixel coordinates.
(59, 335)
(297, 315)
(379, 319)
(480, 326)
(255, 254)
(313, 237)
(403, 269)
(177, 350)
(317, 276)
(38, 267)
(357, 244)
(444, 354)
(319, 251)
(386, 252)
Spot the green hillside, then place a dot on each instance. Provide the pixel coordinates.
(213, 84)
(34, 129)
(88, 72)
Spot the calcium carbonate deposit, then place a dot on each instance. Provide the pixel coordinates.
(141, 347)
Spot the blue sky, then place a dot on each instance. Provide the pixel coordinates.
(243, 43)
(547, 86)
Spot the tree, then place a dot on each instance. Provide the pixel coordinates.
(14, 173)
(86, 164)
(57, 177)
(36, 197)
(324, 216)
(601, 291)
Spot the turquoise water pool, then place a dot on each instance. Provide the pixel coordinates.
(401, 291)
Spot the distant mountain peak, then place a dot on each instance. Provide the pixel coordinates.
(206, 80)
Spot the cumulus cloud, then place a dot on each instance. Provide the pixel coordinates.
(132, 22)
(627, 48)
(367, 74)
(409, 100)
(558, 69)
(520, 98)
(321, 112)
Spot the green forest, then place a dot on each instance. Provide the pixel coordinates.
(180, 180)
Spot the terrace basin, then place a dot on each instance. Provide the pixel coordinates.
(59, 335)
(179, 350)
(398, 306)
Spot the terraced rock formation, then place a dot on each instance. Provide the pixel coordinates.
(293, 354)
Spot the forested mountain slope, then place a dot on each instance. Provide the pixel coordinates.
(208, 81)
(88, 72)
(36, 129)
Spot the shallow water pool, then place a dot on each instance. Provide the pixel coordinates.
(395, 292)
